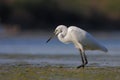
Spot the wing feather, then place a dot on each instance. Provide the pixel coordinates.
(86, 39)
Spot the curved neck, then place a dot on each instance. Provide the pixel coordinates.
(61, 36)
(64, 32)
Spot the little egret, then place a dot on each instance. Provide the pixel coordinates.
(80, 38)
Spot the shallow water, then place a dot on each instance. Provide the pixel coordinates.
(32, 49)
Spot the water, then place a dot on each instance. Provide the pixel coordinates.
(32, 49)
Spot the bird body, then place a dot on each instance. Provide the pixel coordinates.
(80, 38)
(74, 34)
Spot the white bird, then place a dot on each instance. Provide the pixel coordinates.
(80, 38)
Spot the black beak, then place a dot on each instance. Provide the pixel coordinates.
(49, 39)
(53, 35)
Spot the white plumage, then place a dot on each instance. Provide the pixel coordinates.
(80, 38)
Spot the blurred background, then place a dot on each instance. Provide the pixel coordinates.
(47, 14)
(25, 25)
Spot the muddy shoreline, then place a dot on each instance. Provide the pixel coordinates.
(30, 72)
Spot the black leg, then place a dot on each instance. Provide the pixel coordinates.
(84, 59)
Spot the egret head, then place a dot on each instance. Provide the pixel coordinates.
(58, 30)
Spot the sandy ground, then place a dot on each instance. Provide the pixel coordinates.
(31, 72)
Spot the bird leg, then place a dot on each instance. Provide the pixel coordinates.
(82, 65)
(84, 59)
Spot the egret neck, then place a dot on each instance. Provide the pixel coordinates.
(63, 34)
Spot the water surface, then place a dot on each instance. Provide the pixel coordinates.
(32, 49)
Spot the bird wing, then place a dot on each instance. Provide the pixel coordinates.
(87, 40)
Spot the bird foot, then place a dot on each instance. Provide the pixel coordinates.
(81, 66)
